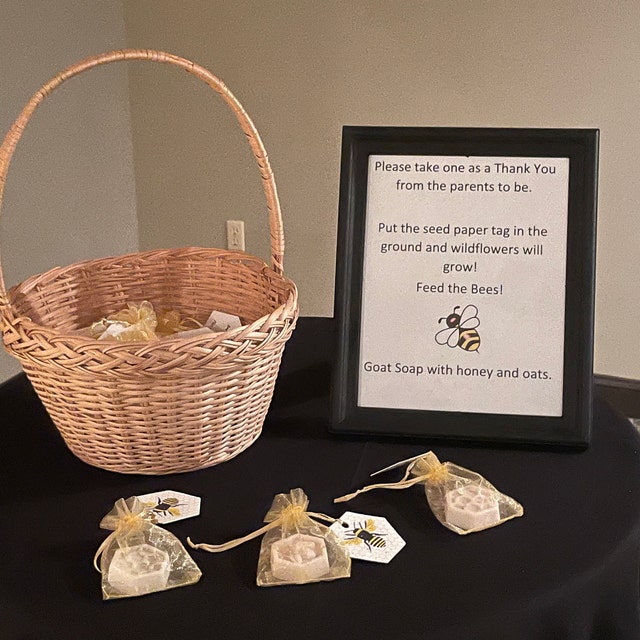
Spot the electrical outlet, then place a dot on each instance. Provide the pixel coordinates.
(235, 235)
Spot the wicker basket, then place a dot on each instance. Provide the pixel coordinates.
(170, 405)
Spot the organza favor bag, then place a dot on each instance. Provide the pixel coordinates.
(462, 500)
(140, 323)
(295, 549)
(140, 557)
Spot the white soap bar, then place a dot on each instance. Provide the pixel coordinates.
(471, 507)
(114, 329)
(140, 569)
(299, 558)
(220, 321)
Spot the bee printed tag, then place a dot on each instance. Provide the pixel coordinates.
(220, 321)
(168, 506)
(368, 537)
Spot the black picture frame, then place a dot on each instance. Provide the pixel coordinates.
(572, 428)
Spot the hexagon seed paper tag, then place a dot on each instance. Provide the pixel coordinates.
(368, 537)
(169, 506)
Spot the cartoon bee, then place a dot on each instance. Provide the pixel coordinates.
(165, 506)
(461, 329)
(363, 534)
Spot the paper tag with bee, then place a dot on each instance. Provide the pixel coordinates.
(368, 537)
(169, 506)
(220, 321)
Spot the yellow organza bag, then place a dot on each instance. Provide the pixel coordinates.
(140, 323)
(140, 557)
(295, 549)
(461, 500)
(135, 323)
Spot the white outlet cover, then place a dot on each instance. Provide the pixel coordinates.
(235, 235)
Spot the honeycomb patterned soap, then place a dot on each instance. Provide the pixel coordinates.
(471, 507)
(140, 569)
(299, 558)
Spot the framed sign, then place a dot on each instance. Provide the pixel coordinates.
(465, 284)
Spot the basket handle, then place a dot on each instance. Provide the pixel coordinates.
(275, 217)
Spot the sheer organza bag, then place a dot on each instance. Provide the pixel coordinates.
(295, 549)
(140, 557)
(461, 500)
(140, 323)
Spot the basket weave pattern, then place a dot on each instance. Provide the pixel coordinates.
(170, 405)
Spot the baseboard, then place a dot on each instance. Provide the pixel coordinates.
(622, 393)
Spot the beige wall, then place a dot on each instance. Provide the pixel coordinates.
(70, 189)
(304, 68)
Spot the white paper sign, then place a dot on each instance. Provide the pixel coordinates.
(464, 284)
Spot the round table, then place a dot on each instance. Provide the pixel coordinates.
(567, 569)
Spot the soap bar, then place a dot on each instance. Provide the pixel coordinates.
(140, 569)
(471, 507)
(113, 330)
(299, 558)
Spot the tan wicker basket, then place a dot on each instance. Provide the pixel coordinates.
(170, 405)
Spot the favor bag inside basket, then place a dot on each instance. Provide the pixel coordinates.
(135, 323)
(461, 500)
(295, 549)
(140, 557)
(154, 406)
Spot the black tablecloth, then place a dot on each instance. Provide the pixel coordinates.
(567, 570)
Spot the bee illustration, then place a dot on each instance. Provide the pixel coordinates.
(362, 533)
(461, 329)
(165, 506)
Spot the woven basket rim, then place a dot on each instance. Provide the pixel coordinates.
(138, 347)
